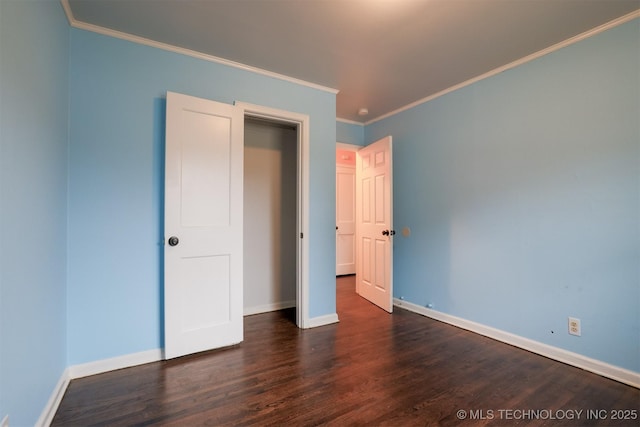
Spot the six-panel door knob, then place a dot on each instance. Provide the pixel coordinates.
(173, 240)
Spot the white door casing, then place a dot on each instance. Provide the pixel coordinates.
(374, 226)
(345, 220)
(203, 281)
(302, 123)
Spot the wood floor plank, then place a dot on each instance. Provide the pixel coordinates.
(372, 368)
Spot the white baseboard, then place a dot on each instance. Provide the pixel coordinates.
(120, 362)
(84, 370)
(49, 411)
(129, 360)
(248, 311)
(328, 319)
(574, 359)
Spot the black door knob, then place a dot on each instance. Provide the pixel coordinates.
(385, 232)
(173, 241)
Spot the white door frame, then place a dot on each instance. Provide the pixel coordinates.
(301, 121)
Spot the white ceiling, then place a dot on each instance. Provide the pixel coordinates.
(379, 54)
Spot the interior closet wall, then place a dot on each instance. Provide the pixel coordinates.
(270, 204)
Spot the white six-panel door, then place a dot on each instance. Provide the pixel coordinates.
(345, 220)
(374, 213)
(203, 225)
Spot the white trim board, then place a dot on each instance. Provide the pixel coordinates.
(349, 122)
(188, 52)
(180, 50)
(50, 409)
(594, 31)
(327, 319)
(127, 361)
(114, 363)
(266, 308)
(302, 122)
(616, 373)
(122, 362)
(91, 368)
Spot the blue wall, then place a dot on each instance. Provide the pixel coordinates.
(33, 195)
(522, 195)
(349, 133)
(522, 192)
(116, 184)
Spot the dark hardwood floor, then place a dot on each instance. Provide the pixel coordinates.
(370, 369)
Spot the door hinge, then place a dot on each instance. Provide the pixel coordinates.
(301, 235)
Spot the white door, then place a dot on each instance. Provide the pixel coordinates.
(345, 220)
(374, 215)
(203, 225)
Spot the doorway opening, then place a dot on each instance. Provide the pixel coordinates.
(297, 125)
(346, 209)
(270, 209)
(372, 252)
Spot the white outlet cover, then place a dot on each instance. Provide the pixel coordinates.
(574, 327)
(5, 421)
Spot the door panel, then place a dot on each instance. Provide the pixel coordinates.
(211, 308)
(374, 218)
(203, 209)
(205, 170)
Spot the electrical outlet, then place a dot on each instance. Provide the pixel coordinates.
(5, 421)
(574, 327)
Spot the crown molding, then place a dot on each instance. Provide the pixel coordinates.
(590, 33)
(349, 122)
(183, 51)
(67, 11)
(175, 49)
